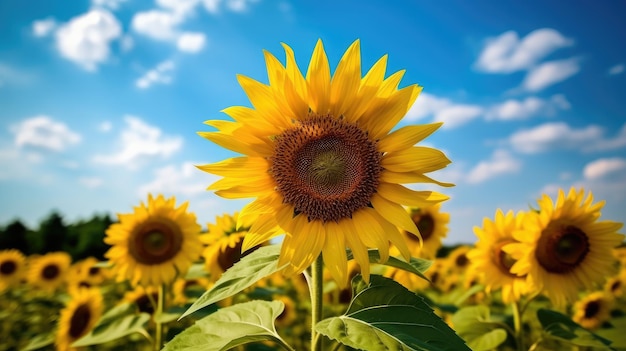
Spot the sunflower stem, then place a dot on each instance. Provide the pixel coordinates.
(517, 325)
(317, 285)
(158, 338)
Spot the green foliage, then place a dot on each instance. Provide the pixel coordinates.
(230, 327)
(115, 324)
(249, 270)
(560, 327)
(39, 341)
(415, 265)
(474, 324)
(615, 333)
(384, 315)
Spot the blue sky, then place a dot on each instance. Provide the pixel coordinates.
(101, 100)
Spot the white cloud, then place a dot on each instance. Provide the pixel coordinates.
(426, 105)
(90, 182)
(140, 140)
(85, 39)
(214, 6)
(191, 42)
(549, 73)
(617, 69)
(457, 115)
(13, 75)
(501, 162)
(602, 167)
(157, 24)
(161, 74)
(443, 110)
(180, 7)
(554, 135)
(105, 126)
(508, 53)
(42, 28)
(531, 106)
(610, 143)
(126, 43)
(44, 132)
(111, 4)
(186, 180)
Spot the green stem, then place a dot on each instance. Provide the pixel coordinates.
(517, 325)
(158, 338)
(317, 286)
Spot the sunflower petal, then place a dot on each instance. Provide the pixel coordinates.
(394, 213)
(318, 77)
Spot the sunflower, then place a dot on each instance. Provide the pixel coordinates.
(48, 272)
(593, 310)
(564, 247)
(616, 286)
(144, 298)
(12, 267)
(322, 163)
(155, 244)
(85, 274)
(224, 241)
(458, 260)
(182, 288)
(289, 313)
(494, 264)
(79, 316)
(433, 227)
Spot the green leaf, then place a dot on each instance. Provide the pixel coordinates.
(249, 270)
(230, 327)
(616, 333)
(115, 324)
(561, 327)
(40, 341)
(415, 265)
(384, 315)
(474, 324)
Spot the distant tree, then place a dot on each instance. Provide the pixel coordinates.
(87, 237)
(53, 233)
(14, 237)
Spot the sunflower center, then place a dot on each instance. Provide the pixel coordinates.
(591, 309)
(79, 321)
(50, 272)
(229, 256)
(461, 260)
(561, 248)
(503, 260)
(144, 304)
(616, 286)
(155, 243)
(326, 168)
(8, 267)
(94, 271)
(425, 225)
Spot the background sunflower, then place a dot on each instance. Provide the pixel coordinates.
(12, 268)
(48, 272)
(433, 227)
(78, 318)
(593, 310)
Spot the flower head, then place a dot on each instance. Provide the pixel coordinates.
(12, 268)
(322, 162)
(79, 316)
(593, 310)
(48, 272)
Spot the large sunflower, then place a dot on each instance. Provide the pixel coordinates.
(433, 227)
(79, 316)
(564, 247)
(48, 272)
(12, 268)
(494, 264)
(322, 163)
(155, 244)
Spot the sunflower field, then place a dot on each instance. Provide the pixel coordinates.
(333, 252)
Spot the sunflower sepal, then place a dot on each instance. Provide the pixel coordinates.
(562, 328)
(120, 321)
(229, 327)
(384, 315)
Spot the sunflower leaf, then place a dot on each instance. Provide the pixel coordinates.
(473, 323)
(115, 324)
(243, 274)
(561, 327)
(384, 315)
(415, 265)
(39, 341)
(230, 327)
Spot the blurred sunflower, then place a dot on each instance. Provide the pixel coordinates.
(47, 272)
(593, 310)
(182, 289)
(289, 313)
(224, 241)
(493, 263)
(12, 268)
(615, 286)
(154, 244)
(144, 298)
(79, 316)
(433, 227)
(85, 274)
(564, 247)
(322, 163)
(457, 259)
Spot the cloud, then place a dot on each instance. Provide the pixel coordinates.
(12, 75)
(610, 143)
(186, 180)
(45, 133)
(443, 110)
(90, 182)
(44, 27)
(549, 73)
(508, 53)
(617, 69)
(214, 6)
(554, 135)
(602, 167)
(501, 162)
(111, 4)
(140, 140)
(85, 39)
(531, 106)
(105, 126)
(160, 74)
(157, 24)
(191, 42)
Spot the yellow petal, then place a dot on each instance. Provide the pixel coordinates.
(345, 82)
(240, 167)
(371, 232)
(394, 213)
(359, 251)
(406, 137)
(416, 159)
(318, 77)
(294, 74)
(405, 196)
(334, 253)
(367, 90)
(382, 117)
(409, 177)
